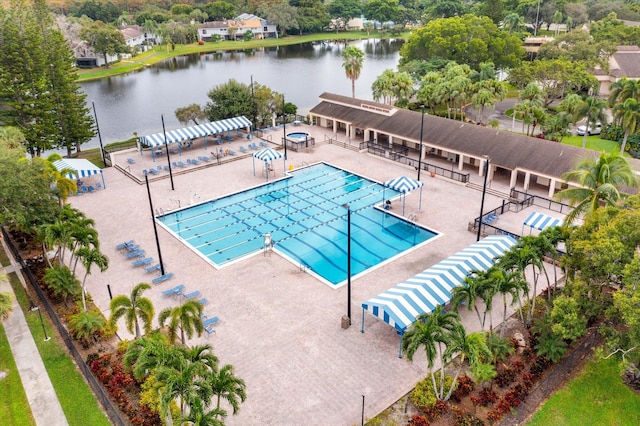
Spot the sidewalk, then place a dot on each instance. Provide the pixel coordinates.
(40, 393)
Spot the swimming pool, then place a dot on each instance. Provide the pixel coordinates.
(300, 136)
(305, 215)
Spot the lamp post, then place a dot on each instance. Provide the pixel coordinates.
(348, 262)
(420, 148)
(253, 104)
(166, 146)
(155, 228)
(95, 116)
(284, 127)
(484, 191)
(37, 308)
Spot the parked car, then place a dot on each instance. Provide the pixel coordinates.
(593, 130)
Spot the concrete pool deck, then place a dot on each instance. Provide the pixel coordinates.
(279, 327)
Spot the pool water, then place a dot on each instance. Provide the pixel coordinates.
(297, 135)
(305, 215)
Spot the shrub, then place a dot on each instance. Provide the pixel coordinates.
(463, 388)
(467, 420)
(505, 377)
(419, 420)
(484, 398)
(423, 394)
(612, 132)
(434, 411)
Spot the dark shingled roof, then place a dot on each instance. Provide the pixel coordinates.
(506, 150)
(628, 60)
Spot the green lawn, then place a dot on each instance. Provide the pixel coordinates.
(78, 402)
(14, 406)
(596, 397)
(593, 142)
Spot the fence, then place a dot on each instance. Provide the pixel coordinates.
(295, 145)
(400, 155)
(546, 203)
(96, 387)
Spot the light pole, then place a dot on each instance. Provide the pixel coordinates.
(37, 308)
(284, 127)
(348, 262)
(95, 116)
(420, 148)
(166, 145)
(155, 228)
(484, 191)
(535, 29)
(253, 104)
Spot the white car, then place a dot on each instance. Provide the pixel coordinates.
(593, 130)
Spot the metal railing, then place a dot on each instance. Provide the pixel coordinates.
(543, 202)
(96, 387)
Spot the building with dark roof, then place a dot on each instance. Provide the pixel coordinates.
(625, 63)
(524, 160)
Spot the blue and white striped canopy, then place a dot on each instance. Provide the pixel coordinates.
(193, 132)
(403, 184)
(401, 305)
(541, 221)
(83, 168)
(267, 154)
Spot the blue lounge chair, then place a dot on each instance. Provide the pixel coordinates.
(204, 158)
(162, 278)
(203, 301)
(153, 171)
(137, 253)
(194, 161)
(131, 161)
(264, 144)
(242, 149)
(209, 330)
(192, 295)
(141, 262)
(232, 152)
(210, 321)
(153, 268)
(91, 188)
(124, 245)
(181, 164)
(177, 290)
(166, 168)
(132, 247)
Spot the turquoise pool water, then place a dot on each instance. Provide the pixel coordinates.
(307, 220)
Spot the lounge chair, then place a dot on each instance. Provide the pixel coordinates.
(203, 301)
(264, 144)
(232, 152)
(204, 158)
(166, 168)
(177, 290)
(194, 161)
(181, 164)
(209, 330)
(192, 295)
(210, 321)
(124, 245)
(131, 161)
(162, 278)
(91, 188)
(153, 171)
(137, 253)
(153, 268)
(132, 247)
(242, 149)
(142, 262)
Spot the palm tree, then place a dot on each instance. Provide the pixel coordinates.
(6, 305)
(133, 308)
(62, 282)
(512, 22)
(506, 283)
(551, 347)
(593, 110)
(197, 415)
(151, 352)
(225, 385)
(352, 60)
(500, 348)
(622, 90)
(474, 285)
(86, 324)
(89, 257)
(186, 317)
(382, 87)
(599, 180)
(177, 383)
(627, 114)
(471, 346)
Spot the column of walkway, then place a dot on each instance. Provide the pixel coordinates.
(45, 407)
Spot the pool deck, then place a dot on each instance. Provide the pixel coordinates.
(280, 327)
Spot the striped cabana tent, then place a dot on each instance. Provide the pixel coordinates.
(81, 167)
(405, 185)
(199, 131)
(540, 221)
(267, 155)
(401, 305)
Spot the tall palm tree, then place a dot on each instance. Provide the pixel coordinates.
(599, 180)
(467, 346)
(133, 308)
(622, 90)
(177, 383)
(151, 352)
(512, 22)
(197, 415)
(224, 384)
(352, 60)
(627, 114)
(506, 283)
(472, 289)
(593, 110)
(90, 257)
(185, 317)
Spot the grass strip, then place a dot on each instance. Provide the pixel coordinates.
(596, 396)
(78, 402)
(14, 406)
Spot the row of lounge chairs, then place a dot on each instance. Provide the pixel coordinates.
(490, 218)
(133, 250)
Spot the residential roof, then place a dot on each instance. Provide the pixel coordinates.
(506, 150)
(626, 62)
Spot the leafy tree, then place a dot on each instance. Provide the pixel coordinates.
(133, 308)
(465, 39)
(219, 10)
(86, 325)
(281, 14)
(181, 9)
(513, 22)
(62, 186)
(352, 60)
(391, 86)
(6, 305)
(231, 99)
(445, 9)
(312, 15)
(62, 283)
(343, 10)
(578, 45)
(381, 10)
(599, 180)
(191, 112)
(105, 39)
(627, 115)
(97, 11)
(566, 319)
(185, 317)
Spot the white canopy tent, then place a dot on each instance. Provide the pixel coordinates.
(82, 168)
(268, 155)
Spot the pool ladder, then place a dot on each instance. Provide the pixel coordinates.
(412, 217)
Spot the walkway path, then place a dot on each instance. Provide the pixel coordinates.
(42, 396)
